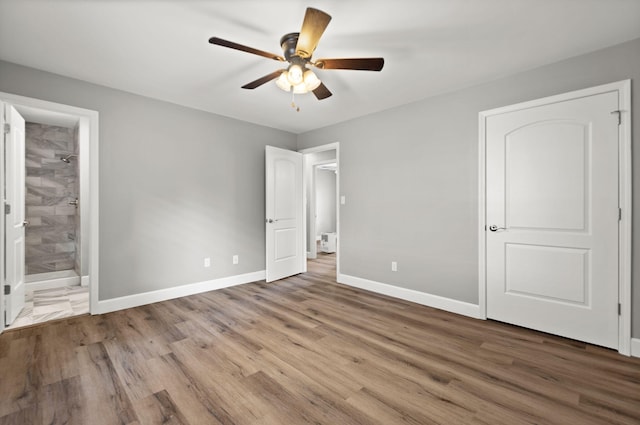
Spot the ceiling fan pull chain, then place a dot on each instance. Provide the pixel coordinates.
(293, 101)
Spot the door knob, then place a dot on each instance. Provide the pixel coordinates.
(25, 223)
(270, 220)
(495, 228)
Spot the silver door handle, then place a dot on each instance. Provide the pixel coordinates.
(74, 202)
(25, 223)
(270, 220)
(495, 228)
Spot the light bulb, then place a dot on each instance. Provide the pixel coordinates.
(283, 82)
(300, 89)
(295, 75)
(311, 81)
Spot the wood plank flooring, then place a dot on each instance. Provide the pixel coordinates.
(306, 350)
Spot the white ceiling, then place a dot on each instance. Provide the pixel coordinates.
(160, 49)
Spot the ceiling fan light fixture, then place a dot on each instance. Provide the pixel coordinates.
(307, 83)
(311, 81)
(295, 75)
(283, 82)
(300, 89)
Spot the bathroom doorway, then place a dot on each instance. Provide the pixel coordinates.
(59, 261)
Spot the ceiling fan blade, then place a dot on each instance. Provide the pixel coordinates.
(236, 46)
(322, 92)
(314, 24)
(260, 81)
(360, 64)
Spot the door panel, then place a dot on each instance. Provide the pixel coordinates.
(14, 224)
(552, 192)
(285, 250)
(556, 153)
(285, 186)
(548, 273)
(285, 243)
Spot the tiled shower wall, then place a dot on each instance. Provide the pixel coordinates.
(51, 184)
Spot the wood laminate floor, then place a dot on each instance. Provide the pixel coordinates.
(305, 350)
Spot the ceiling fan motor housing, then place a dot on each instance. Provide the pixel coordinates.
(289, 42)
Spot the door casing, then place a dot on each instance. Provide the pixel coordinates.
(328, 147)
(623, 88)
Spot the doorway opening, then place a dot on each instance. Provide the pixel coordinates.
(60, 211)
(322, 227)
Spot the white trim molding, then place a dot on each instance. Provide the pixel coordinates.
(623, 88)
(625, 230)
(635, 347)
(429, 300)
(316, 149)
(136, 300)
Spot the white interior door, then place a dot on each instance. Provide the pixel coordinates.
(15, 213)
(285, 247)
(552, 199)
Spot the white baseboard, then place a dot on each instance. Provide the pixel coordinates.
(52, 280)
(435, 301)
(635, 347)
(84, 281)
(106, 306)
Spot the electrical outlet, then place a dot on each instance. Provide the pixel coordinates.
(235, 259)
(207, 262)
(394, 266)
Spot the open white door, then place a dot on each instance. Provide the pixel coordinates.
(14, 139)
(2, 221)
(284, 214)
(552, 217)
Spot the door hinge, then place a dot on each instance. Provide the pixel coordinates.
(619, 309)
(7, 208)
(619, 214)
(7, 128)
(619, 113)
(7, 289)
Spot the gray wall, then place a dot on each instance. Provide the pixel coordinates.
(325, 201)
(410, 176)
(176, 185)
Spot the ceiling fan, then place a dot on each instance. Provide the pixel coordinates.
(298, 48)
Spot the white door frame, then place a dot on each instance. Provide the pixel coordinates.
(623, 88)
(328, 147)
(89, 168)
